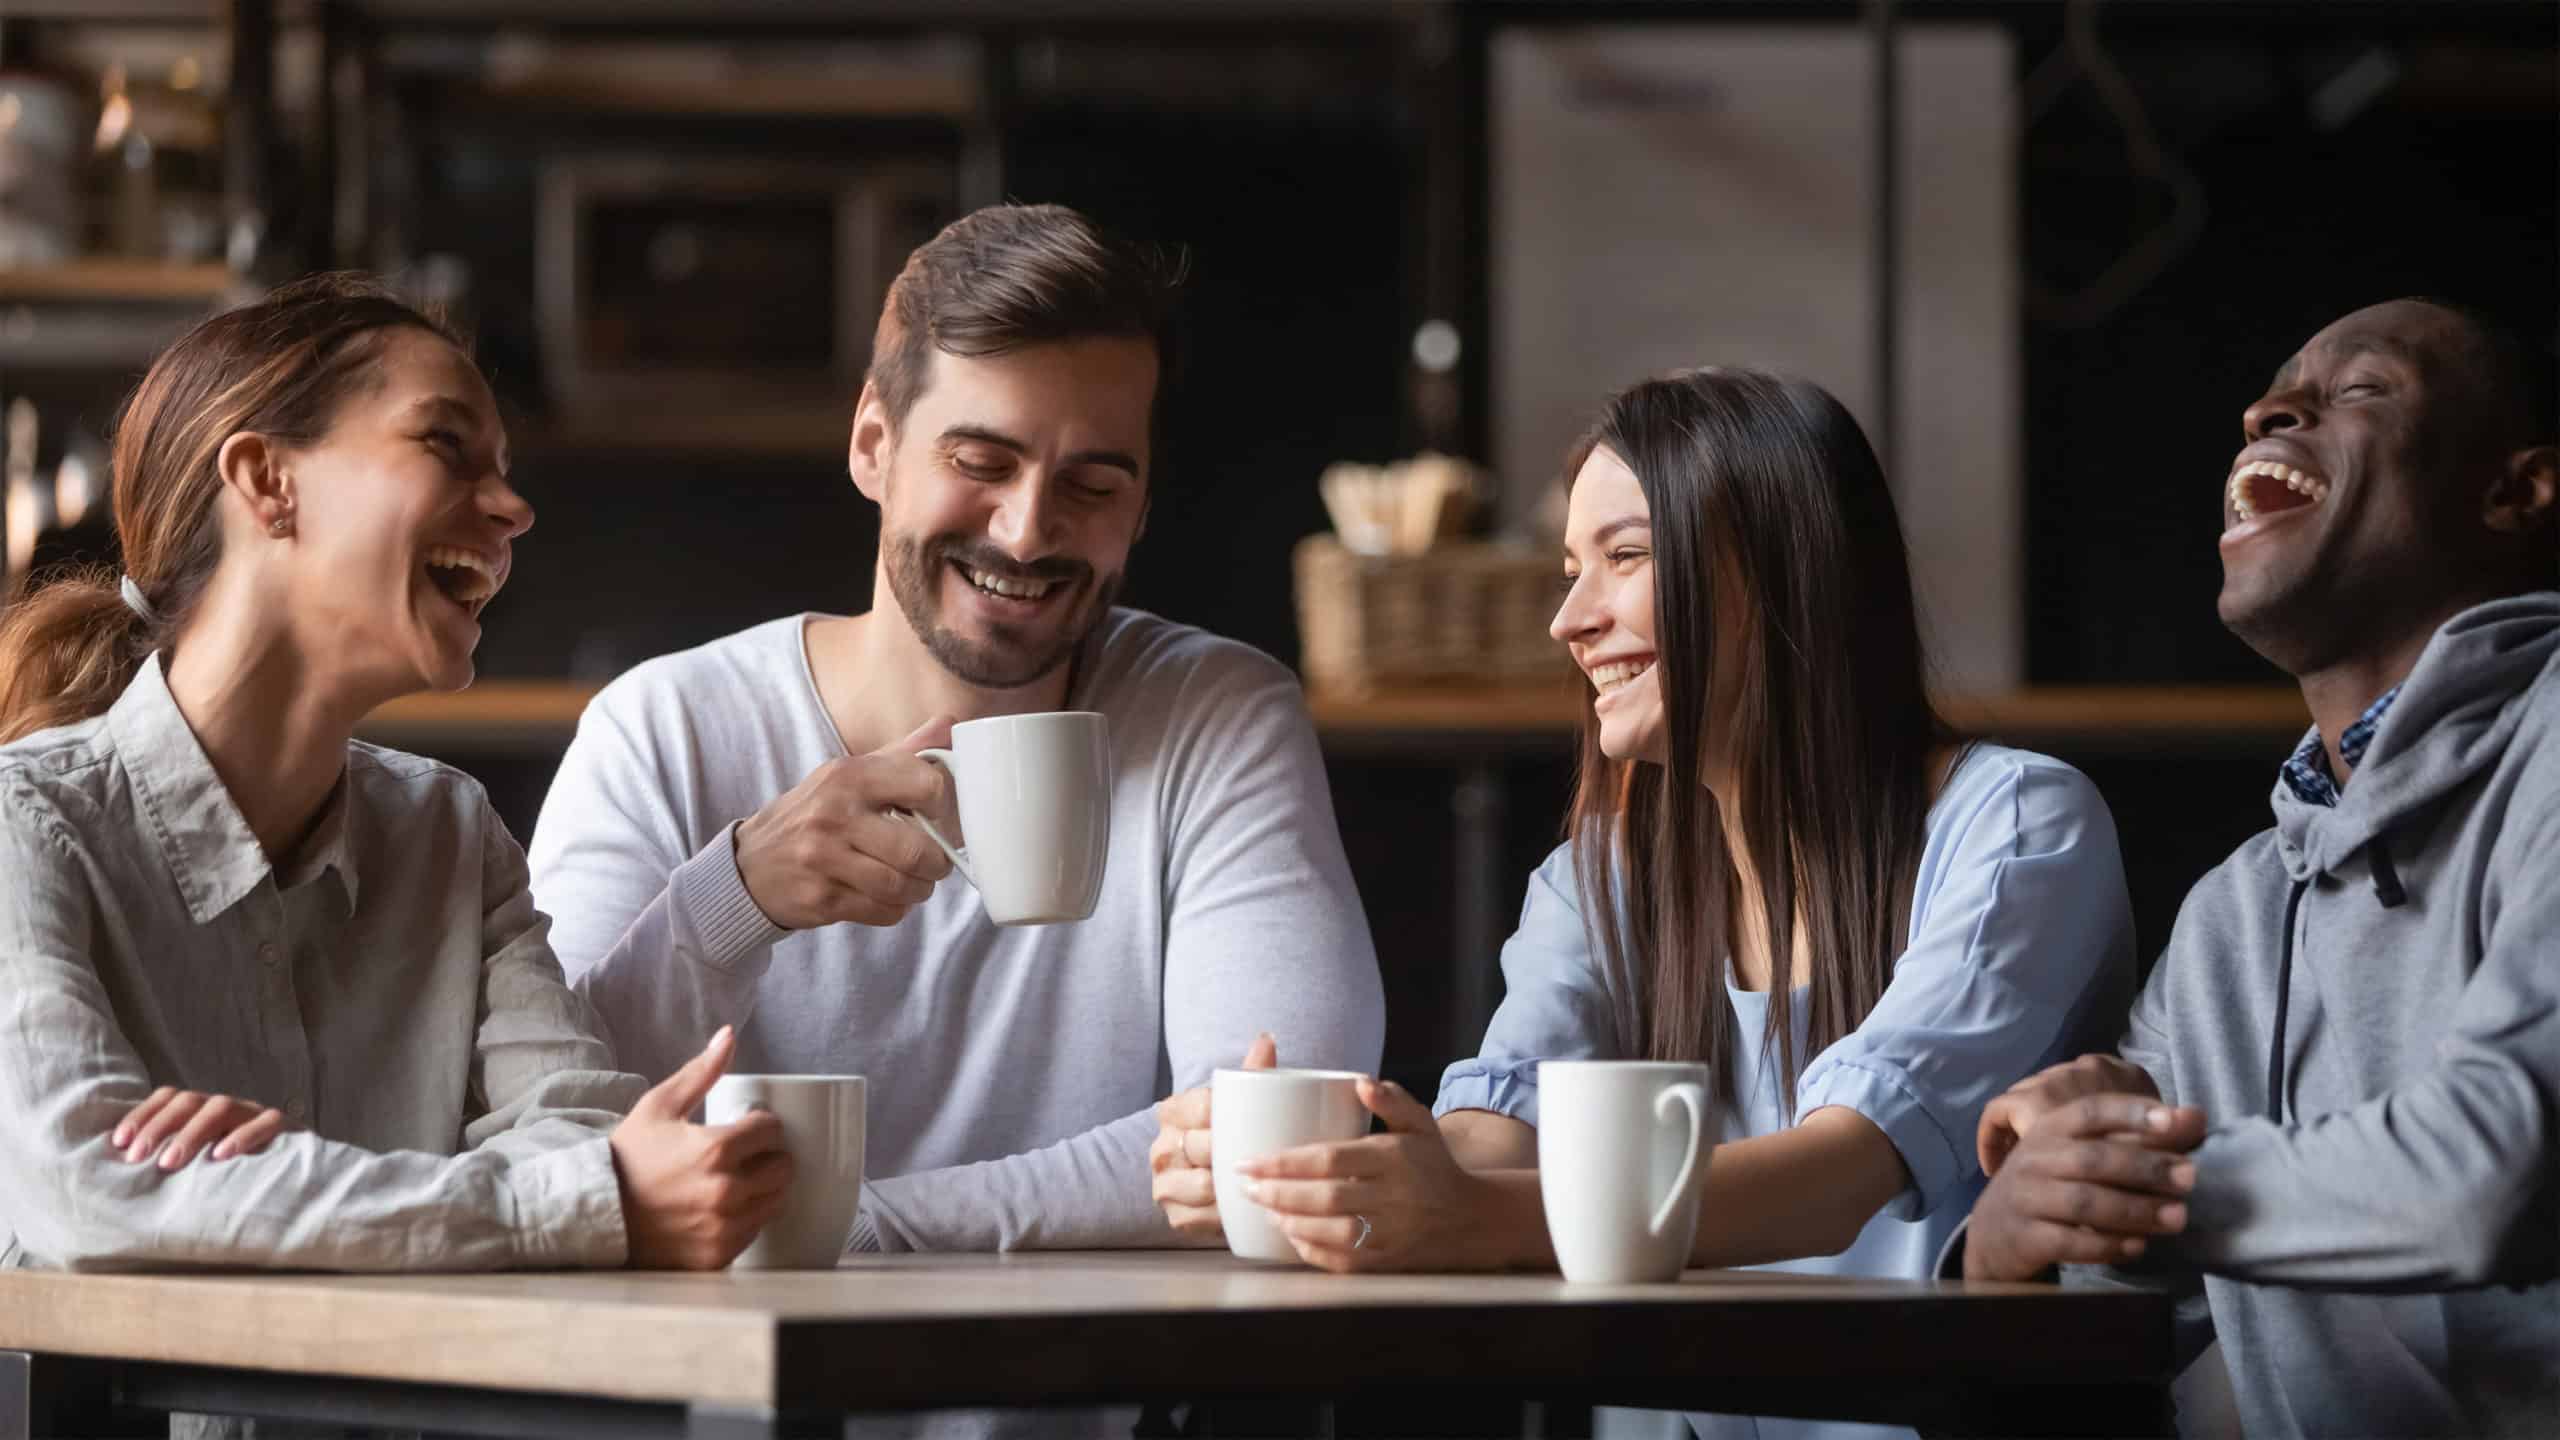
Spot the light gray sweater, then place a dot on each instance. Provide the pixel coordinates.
(1012, 1071)
(2377, 1237)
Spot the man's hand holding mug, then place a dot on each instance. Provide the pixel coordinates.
(834, 849)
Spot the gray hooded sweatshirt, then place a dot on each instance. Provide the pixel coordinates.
(2365, 1000)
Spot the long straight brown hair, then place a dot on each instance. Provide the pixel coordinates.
(1769, 483)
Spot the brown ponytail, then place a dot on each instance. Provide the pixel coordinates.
(278, 367)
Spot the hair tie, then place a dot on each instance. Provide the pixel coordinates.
(134, 602)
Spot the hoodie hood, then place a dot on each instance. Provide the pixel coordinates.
(2456, 712)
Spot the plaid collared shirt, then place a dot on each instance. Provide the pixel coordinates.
(2307, 774)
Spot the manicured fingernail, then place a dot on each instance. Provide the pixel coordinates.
(2183, 1175)
(221, 1151)
(123, 1137)
(1253, 1191)
(2133, 1247)
(172, 1158)
(2157, 1118)
(2173, 1216)
(136, 1151)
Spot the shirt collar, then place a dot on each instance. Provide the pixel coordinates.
(326, 849)
(212, 855)
(2308, 774)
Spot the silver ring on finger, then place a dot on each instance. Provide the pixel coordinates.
(1364, 1231)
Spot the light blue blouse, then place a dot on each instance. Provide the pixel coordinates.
(2020, 955)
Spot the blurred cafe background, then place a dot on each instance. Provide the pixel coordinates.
(2047, 250)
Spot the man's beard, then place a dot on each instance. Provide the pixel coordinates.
(1011, 656)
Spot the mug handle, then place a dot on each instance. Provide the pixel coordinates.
(959, 853)
(1692, 1098)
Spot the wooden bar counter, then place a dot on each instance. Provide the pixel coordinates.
(758, 1354)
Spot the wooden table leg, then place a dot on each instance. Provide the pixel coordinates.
(45, 1397)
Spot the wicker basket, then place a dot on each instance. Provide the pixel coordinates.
(1472, 612)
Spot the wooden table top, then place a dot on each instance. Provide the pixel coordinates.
(913, 1331)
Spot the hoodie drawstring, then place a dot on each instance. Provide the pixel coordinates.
(2284, 998)
(2386, 878)
(2386, 889)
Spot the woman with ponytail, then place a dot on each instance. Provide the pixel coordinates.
(1777, 865)
(276, 997)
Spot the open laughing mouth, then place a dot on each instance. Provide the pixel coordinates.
(2263, 490)
(466, 577)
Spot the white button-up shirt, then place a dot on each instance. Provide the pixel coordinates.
(390, 986)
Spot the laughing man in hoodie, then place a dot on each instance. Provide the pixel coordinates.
(2338, 1103)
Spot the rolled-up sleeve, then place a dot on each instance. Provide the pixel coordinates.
(2021, 953)
(1556, 1004)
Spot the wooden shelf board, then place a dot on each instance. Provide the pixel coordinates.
(545, 713)
(116, 280)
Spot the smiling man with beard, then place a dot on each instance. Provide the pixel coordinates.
(719, 848)
(2338, 1102)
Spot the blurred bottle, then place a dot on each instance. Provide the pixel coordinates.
(157, 167)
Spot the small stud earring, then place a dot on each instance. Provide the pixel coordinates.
(279, 525)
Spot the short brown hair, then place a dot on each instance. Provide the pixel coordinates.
(1009, 276)
(280, 367)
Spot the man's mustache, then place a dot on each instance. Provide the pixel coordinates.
(987, 560)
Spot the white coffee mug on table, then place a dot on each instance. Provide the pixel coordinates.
(1035, 806)
(1254, 1113)
(823, 1126)
(1622, 1148)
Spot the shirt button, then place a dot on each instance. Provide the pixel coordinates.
(268, 954)
(298, 1108)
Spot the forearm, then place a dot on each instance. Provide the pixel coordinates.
(1486, 1140)
(1510, 1221)
(1087, 1192)
(687, 964)
(2397, 1194)
(312, 1204)
(1804, 1191)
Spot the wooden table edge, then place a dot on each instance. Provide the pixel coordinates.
(262, 1322)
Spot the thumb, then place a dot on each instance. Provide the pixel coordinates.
(933, 734)
(677, 1096)
(1397, 1110)
(2002, 1127)
(1263, 1053)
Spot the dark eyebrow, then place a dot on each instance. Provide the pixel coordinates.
(1117, 459)
(1603, 535)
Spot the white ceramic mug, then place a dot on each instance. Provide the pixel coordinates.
(823, 1125)
(1253, 1113)
(1035, 806)
(1622, 1146)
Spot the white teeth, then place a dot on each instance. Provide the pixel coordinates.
(1618, 673)
(1011, 589)
(475, 580)
(2294, 480)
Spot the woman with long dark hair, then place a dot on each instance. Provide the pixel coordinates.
(275, 997)
(1779, 863)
